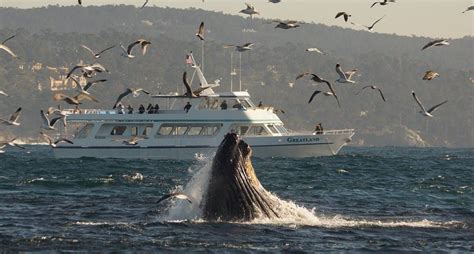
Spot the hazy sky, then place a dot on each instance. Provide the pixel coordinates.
(434, 18)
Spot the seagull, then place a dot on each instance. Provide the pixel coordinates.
(67, 99)
(134, 92)
(181, 196)
(315, 50)
(440, 42)
(344, 14)
(345, 77)
(318, 79)
(97, 55)
(128, 52)
(423, 110)
(274, 1)
(470, 8)
(385, 2)
(87, 70)
(6, 48)
(250, 10)
(370, 28)
(144, 4)
(200, 32)
(79, 2)
(318, 92)
(430, 75)
(10, 143)
(287, 24)
(3, 93)
(88, 85)
(241, 48)
(374, 88)
(47, 124)
(13, 118)
(133, 141)
(54, 143)
(189, 93)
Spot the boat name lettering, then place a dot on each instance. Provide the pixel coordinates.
(299, 140)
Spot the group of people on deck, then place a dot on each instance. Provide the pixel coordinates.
(141, 110)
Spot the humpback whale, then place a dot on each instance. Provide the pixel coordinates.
(234, 192)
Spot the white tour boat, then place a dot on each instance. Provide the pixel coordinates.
(173, 133)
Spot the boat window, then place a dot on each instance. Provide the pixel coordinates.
(146, 130)
(165, 130)
(272, 128)
(257, 131)
(118, 130)
(85, 131)
(210, 130)
(281, 128)
(180, 130)
(239, 129)
(194, 131)
(246, 104)
(134, 131)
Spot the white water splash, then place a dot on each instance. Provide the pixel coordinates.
(195, 189)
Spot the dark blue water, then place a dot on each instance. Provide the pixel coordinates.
(377, 199)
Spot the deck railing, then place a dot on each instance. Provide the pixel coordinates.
(324, 132)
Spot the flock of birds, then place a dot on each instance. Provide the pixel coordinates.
(88, 71)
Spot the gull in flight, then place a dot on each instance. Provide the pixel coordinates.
(6, 48)
(133, 141)
(274, 1)
(316, 50)
(192, 94)
(88, 70)
(49, 124)
(241, 48)
(53, 143)
(181, 196)
(345, 77)
(79, 2)
(200, 32)
(470, 8)
(374, 88)
(344, 14)
(423, 110)
(144, 4)
(128, 52)
(287, 24)
(10, 143)
(76, 100)
(13, 118)
(430, 75)
(250, 10)
(3, 93)
(88, 85)
(440, 42)
(318, 79)
(384, 2)
(134, 92)
(370, 28)
(318, 92)
(98, 54)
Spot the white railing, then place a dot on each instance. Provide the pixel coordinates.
(324, 132)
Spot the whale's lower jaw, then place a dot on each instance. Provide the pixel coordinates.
(234, 192)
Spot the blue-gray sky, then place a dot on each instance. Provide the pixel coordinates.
(434, 18)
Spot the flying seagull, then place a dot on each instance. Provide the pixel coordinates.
(13, 118)
(318, 79)
(470, 8)
(133, 141)
(374, 88)
(67, 99)
(98, 54)
(287, 24)
(423, 110)
(175, 195)
(318, 92)
(440, 42)
(79, 2)
(345, 77)
(3, 93)
(88, 85)
(200, 32)
(144, 4)
(189, 93)
(53, 143)
(370, 28)
(250, 10)
(241, 48)
(134, 92)
(315, 50)
(128, 52)
(344, 14)
(48, 124)
(6, 48)
(87, 70)
(274, 1)
(430, 75)
(10, 143)
(384, 2)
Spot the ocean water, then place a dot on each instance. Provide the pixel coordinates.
(365, 199)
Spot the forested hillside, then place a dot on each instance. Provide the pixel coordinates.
(52, 36)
